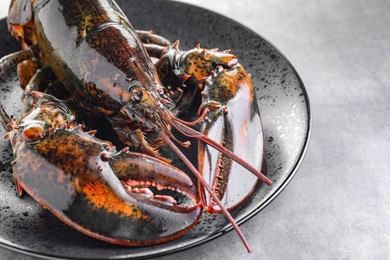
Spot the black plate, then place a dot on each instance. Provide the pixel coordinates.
(284, 107)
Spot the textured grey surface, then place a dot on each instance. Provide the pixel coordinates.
(337, 206)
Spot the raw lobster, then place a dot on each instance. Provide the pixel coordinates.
(102, 62)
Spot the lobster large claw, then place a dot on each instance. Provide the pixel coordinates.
(91, 187)
(233, 121)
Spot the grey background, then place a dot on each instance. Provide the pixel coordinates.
(337, 205)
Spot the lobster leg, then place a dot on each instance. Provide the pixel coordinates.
(41, 79)
(154, 50)
(5, 119)
(154, 44)
(38, 82)
(6, 122)
(38, 79)
(15, 58)
(149, 37)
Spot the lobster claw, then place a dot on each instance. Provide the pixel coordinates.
(83, 188)
(233, 121)
(92, 188)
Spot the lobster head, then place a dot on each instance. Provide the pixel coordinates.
(144, 107)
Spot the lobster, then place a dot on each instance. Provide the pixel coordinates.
(104, 66)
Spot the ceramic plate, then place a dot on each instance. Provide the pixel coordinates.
(284, 107)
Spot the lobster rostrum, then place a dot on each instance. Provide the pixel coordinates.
(103, 63)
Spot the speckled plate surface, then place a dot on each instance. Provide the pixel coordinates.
(284, 107)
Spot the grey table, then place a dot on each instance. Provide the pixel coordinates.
(338, 204)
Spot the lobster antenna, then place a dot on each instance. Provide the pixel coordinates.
(185, 144)
(197, 121)
(187, 131)
(5, 119)
(208, 188)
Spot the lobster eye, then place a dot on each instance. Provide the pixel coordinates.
(136, 94)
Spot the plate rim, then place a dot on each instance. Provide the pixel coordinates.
(228, 228)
